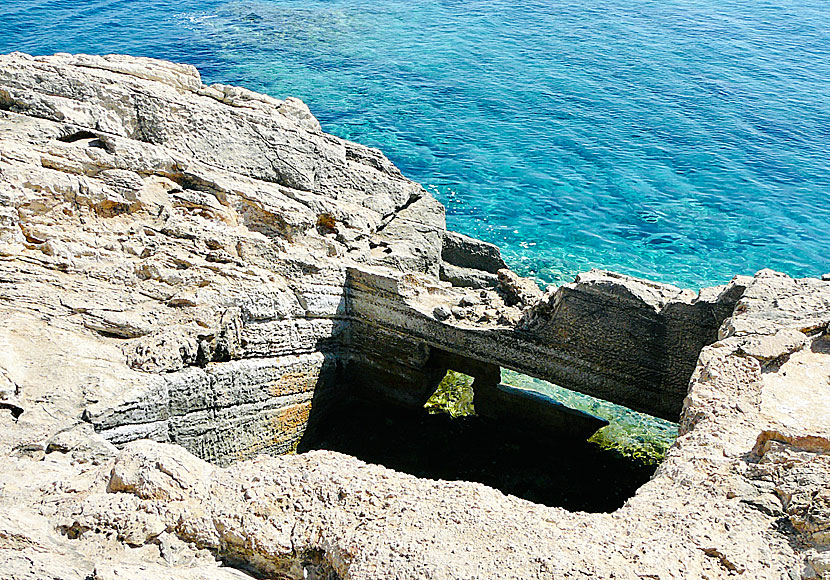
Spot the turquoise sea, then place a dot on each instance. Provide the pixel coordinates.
(681, 140)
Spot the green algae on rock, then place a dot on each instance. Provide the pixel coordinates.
(454, 396)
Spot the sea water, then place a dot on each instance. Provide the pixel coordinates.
(681, 140)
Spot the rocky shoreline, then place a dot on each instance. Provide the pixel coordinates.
(191, 274)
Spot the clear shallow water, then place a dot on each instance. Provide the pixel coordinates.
(682, 140)
(630, 433)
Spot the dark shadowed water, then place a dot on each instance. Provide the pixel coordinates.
(538, 466)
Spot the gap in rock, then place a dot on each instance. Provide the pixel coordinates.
(6, 101)
(451, 439)
(309, 565)
(85, 138)
(15, 410)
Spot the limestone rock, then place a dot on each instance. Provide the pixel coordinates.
(517, 290)
(466, 252)
(441, 312)
(469, 262)
(467, 277)
(774, 301)
(188, 274)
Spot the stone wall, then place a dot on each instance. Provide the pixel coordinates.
(223, 412)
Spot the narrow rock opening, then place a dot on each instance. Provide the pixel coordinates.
(84, 138)
(514, 438)
(6, 101)
(192, 182)
(15, 410)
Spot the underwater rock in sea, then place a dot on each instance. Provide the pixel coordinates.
(193, 271)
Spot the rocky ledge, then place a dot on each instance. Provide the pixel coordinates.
(190, 274)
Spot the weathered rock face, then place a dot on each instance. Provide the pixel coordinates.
(204, 267)
(178, 225)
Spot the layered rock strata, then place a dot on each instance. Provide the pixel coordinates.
(204, 267)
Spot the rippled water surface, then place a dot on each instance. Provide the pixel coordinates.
(682, 140)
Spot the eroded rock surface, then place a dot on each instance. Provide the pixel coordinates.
(204, 267)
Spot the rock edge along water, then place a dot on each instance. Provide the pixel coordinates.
(196, 264)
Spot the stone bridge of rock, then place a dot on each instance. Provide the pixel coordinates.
(628, 341)
(386, 337)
